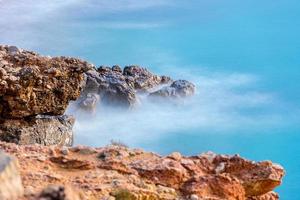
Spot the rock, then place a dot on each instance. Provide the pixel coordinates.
(90, 101)
(110, 86)
(166, 172)
(10, 180)
(118, 166)
(141, 79)
(116, 88)
(257, 178)
(175, 155)
(57, 192)
(267, 196)
(84, 150)
(64, 150)
(13, 49)
(3, 73)
(70, 163)
(215, 187)
(46, 130)
(194, 197)
(38, 85)
(117, 68)
(29, 191)
(111, 170)
(178, 89)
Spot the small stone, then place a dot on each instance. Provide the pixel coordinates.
(84, 150)
(175, 156)
(194, 197)
(64, 150)
(13, 49)
(220, 168)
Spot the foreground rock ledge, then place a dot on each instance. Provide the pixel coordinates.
(116, 172)
(10, 180)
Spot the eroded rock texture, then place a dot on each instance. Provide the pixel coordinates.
(35, 91)
(42, 129)
(118, 88)
(178, 89)
(32, 84)
(115, 87)
(116, 172)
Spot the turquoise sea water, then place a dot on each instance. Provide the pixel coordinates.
(242, 55)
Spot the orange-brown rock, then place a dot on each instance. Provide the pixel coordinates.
(115, 172)
(267, 196)
(166, 172)
(257, 178)
(222, 186)
(32, 84)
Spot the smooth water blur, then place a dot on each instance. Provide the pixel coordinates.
(242, 55)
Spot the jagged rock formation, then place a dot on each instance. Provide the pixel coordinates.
(43, 129)
(112, 86)
(116, 172)
(10, 180)
(32, 85)
(34, 93)
(178, 89)
(142, 80)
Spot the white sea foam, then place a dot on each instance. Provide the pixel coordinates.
(222, 103)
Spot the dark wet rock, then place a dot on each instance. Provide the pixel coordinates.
(141, 79)
(46, 130)
(119, 88)
(31, 84)
(11, 187)
(110, 86)
(178, 89)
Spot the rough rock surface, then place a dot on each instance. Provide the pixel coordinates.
(110, 86)
(10, 180)
(116, 172)
(32, 84)
(114, 87)
(35, 91)
(178, 89)
(141, 79)
(42, 129)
